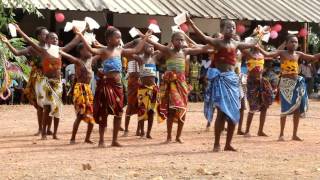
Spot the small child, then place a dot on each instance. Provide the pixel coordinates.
(82, 95)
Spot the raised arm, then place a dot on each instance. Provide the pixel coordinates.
(137, 49)
(73, 43)
(96, 51)
(22, 52)
(28, 39)
(269, 54)
(207, 39)
(70, 58)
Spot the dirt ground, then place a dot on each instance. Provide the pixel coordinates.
(24, 156)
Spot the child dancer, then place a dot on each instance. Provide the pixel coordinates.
(108, 98)
(293, 96)
(82, 95)
(223, 88)
(174, 88)
(259, 90)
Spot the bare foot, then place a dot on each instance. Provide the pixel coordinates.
(101, 145)
(296, 138)
(49, 133)
(88, 141)
(247, 135)
(179, 140)
(116, 144)
(262, 134)
(240, 133)
(207, 129)
(72, 142)
(138, 133)
(148, 136)
(43, 137)
(142, 134)
(38, 133)
(55, 137)
(168, 141)
(281, 138)
(229, 148)
(125, 134)
(216, 148)
(121, 129)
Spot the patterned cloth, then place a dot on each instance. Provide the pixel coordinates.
(148, 100)
(174, 95)
(30, 90)
(259, 94)
(83, 102)
(108, 99)
(49, 92)
(133, 85)
(222, 92)
(293, 95)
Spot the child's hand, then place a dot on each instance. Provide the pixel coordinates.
(148, 33)
(3, 39)
(76, 31)
(17, 27)
(189, 21)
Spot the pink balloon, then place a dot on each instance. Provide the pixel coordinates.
(277, 28)
(273, 34)
(303, 32)
(153, 21)
(184, 27)
(240, 28)
(59, 17)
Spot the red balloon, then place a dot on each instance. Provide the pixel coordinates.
(59, 17)
(277, 28)
(273, 34)
(240, 28)
(184, 27)
(303, 32)
(153, 21)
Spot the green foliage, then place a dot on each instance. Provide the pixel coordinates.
(20, 61)
(314, 42)
(7, 15)
(7, 8)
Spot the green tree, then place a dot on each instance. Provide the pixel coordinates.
(7, 15)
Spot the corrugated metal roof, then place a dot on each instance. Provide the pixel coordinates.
(260, 10)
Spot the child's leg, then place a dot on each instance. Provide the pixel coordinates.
(296, 118)
(116, 128)
(218, 128)
(241, 117)
(126, 125)
(150, 123)
(49, 132)
(55, 127)
(89, 130)
(231, 127)
(179, 131)
(169, 125)
(75, 129)
(263, 115)
(141, 125)
(102, 127)
(39, 116)
(138, 131)
(282, 125)
(45, 119)
(249, 120)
